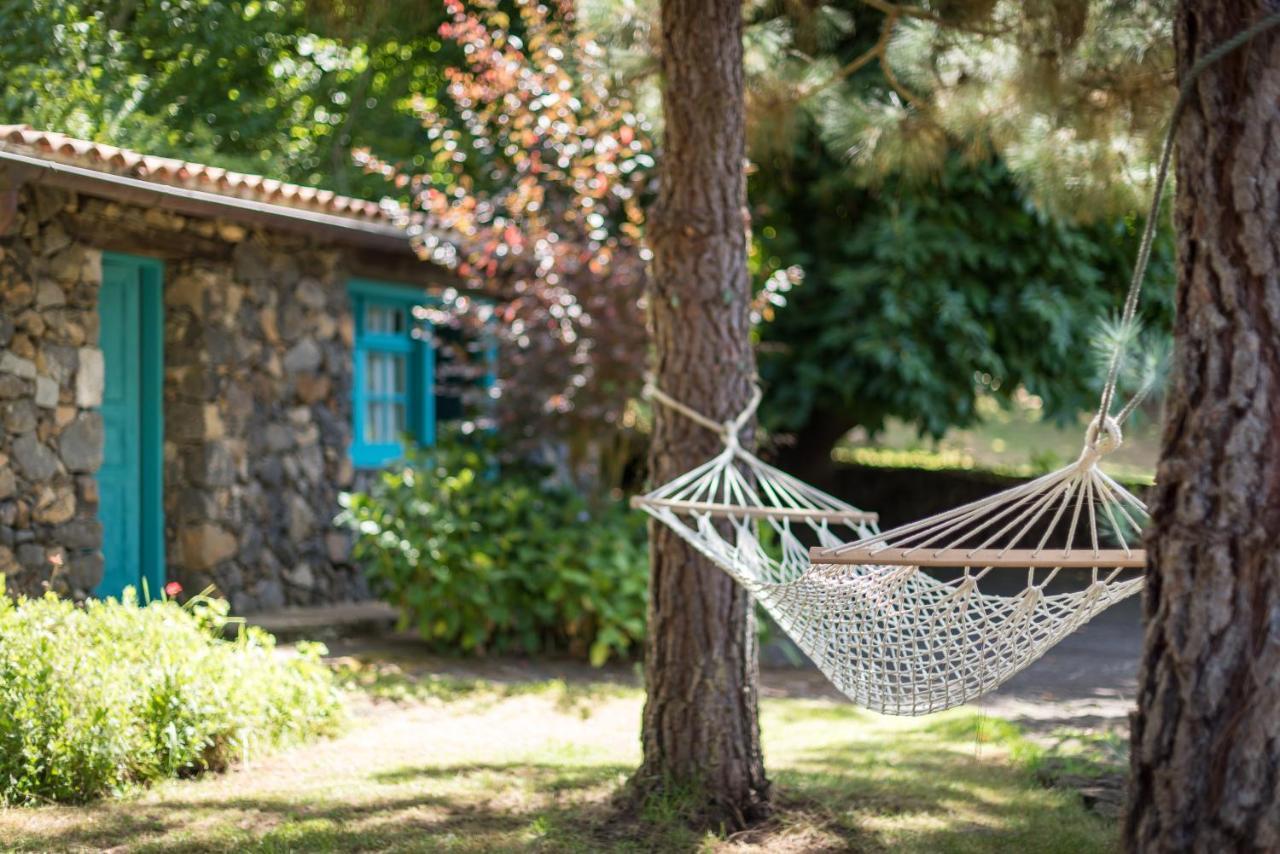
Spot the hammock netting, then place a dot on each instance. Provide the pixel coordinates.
(938, 612)
(929, 615)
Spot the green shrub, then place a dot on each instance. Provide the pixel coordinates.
(489, 560)
(96, 697)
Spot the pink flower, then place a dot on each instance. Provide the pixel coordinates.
(173, 588)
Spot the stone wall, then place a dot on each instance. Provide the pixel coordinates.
(51, 382)
(257, 389)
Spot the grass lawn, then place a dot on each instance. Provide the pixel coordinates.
(444, 763)
(1015, 440)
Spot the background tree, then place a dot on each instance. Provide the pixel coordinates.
(1206, 737)
(536, 171)
(920, 296)
(701, 734)
(284, 88)
(902, 165)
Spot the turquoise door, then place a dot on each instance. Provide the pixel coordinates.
(131, 329)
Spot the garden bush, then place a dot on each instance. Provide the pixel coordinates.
(482, 558)
(99, 696)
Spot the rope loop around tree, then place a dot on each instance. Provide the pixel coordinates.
(729, 431)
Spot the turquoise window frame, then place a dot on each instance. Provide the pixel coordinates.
(419, 397)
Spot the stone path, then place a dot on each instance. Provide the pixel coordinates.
(328, 622)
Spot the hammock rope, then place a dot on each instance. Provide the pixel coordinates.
(727, 505)
(888, 634)
(1130, 311)
(931, 614)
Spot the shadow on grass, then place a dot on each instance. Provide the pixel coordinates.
(417, 823)
(578, 813)
(852, 797)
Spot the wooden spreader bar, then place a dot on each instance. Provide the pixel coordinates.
(712, 509)
(1046, 558)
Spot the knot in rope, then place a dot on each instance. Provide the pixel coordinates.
(730, 437)
(1102, 437)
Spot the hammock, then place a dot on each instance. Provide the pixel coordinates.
(890, 634)
(934, 620)
(754, 521)
(907, 621)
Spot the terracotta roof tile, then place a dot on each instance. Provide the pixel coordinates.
(50, 145)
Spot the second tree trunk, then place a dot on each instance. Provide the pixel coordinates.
(701, 736)
(1206, 738)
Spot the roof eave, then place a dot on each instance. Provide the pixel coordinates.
(386, 237)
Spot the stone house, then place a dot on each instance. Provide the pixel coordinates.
(193, 364)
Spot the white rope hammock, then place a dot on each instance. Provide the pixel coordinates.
(751, 519)
(951, 607)
(909, 621)
(891, 635)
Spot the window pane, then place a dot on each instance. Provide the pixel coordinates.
(398, 384)
(384, 320)
(386, 374)
(373, 371)
(384, 422)
(397, 421)
(386, 389)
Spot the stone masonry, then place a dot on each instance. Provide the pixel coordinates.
(257, 396)
(51, 382)
(258, 360)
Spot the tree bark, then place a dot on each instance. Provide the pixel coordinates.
(701, 734)
(1206, 736)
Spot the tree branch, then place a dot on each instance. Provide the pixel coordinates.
(876, 52)
(923, 14)
(892, 79)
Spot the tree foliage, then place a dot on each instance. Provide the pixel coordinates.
(945, 255)
(533, 191)
(280, 87)
(1072, 95)
(919, 298)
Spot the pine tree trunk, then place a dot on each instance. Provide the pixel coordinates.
(701, 735)
(1206, 736)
